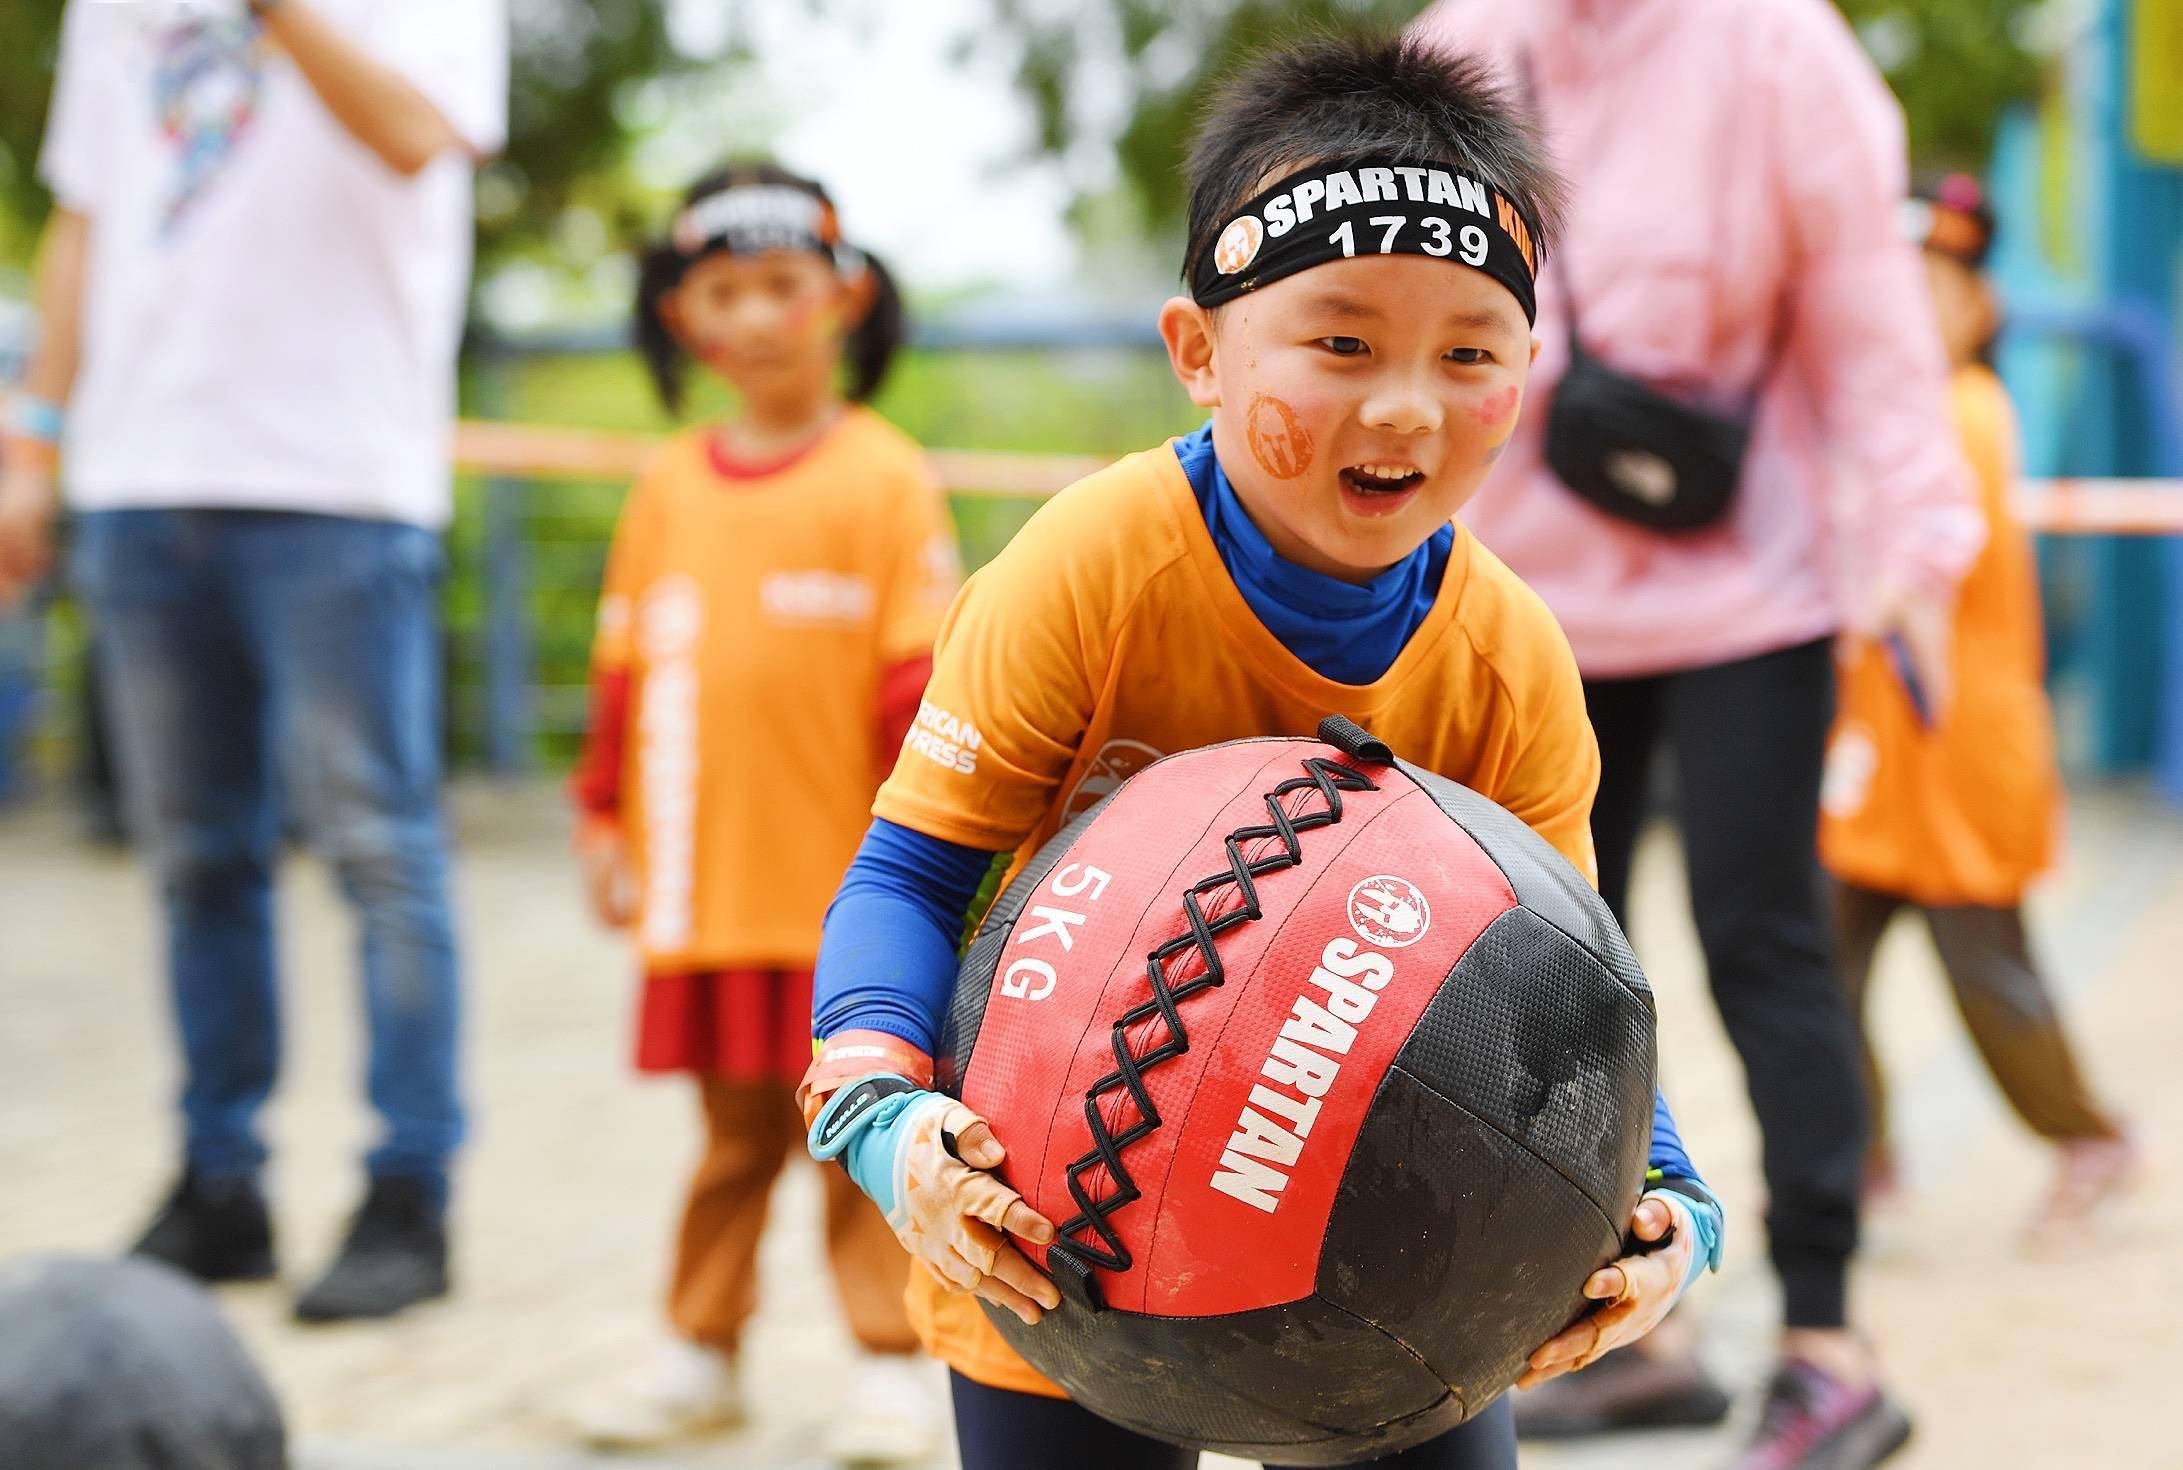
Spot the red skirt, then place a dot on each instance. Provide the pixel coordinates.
(743, 1025)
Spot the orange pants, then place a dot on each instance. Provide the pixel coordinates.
(753, 1130)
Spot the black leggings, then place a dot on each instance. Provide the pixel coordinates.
(1745, 741)
(998, 1429)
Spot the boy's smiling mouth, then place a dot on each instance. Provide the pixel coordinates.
(1380, 487)
(1383, 477)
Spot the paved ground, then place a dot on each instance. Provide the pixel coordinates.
(567, 1197)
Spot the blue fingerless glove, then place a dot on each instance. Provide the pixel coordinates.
(867, 1126)
(1706, 1218)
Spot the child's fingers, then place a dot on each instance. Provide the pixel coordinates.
(956, 1273)
(1024, 1278)
(984, 1198)
(975, 1144)
(1001, 1294)
(1025, 1223)
(1605, 1284)
(1653, 1219)
(1533, 1377)
(1567, 1345)
(979, 1244)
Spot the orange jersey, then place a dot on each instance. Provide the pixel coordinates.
(756, 617)
(1109, 633)
(1966, 812)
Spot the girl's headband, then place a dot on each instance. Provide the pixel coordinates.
(1334, 211)
(744, 219)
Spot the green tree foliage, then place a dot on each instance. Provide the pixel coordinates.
(1158, 57)
(30, 32)
(1114, 86)
(1955, 63)
(574, 67)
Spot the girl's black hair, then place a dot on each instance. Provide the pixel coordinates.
(869, 350)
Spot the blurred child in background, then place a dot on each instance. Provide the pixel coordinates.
(1952, 810)
(765, 631)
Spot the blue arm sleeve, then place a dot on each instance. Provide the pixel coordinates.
(887, 957)
(1667, 1158)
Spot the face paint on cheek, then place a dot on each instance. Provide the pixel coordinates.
(816, 316)
(1497, 407)
(1279, 441)
(1497, 410)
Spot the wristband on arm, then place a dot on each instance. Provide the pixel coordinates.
(848, 1056)
(30, 433)
(27, 416)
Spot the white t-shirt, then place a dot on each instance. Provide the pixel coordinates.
(270, 312)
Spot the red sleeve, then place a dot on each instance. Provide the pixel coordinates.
(595, 786)
(900, 689)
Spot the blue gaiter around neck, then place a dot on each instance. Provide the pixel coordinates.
(1342, 631)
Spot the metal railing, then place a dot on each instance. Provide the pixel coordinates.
(529, 540)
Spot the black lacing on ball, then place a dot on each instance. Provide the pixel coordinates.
(1329, 779)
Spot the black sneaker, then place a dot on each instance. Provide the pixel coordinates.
(1622, 1391)
(1813, 1421)
(213, 1229)
(395, 1256)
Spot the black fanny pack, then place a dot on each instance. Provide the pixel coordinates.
(1638, 453)
(1632, 450)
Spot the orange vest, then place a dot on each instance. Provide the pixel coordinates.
(1965, 812)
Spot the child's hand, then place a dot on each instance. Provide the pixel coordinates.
(27, 509)
(946, 1208)
(1925, 624)
(609, 880)
(1637, 1291)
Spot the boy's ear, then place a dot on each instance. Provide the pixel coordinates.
(1534, 349)
(1187, 329)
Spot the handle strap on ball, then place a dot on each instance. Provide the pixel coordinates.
(1354, 741)
(1211, 906)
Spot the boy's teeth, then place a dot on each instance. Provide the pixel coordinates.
(1387, 471)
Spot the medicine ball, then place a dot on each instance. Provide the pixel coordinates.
(126, 1365)
(1336, 1081)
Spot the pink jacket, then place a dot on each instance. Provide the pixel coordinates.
(1735, 168)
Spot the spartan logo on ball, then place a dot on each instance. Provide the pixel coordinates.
(1388, 911)
(1239, 244)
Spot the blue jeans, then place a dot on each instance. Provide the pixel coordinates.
(268, 670)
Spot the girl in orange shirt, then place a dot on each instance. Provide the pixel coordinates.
(764, 633)
(1952, 810)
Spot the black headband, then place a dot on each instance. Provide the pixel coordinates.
(1331, 211)
(744, 219)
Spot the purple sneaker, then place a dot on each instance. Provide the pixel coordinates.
(1812, 1421)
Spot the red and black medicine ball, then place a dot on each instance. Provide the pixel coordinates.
(1334, 1077)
